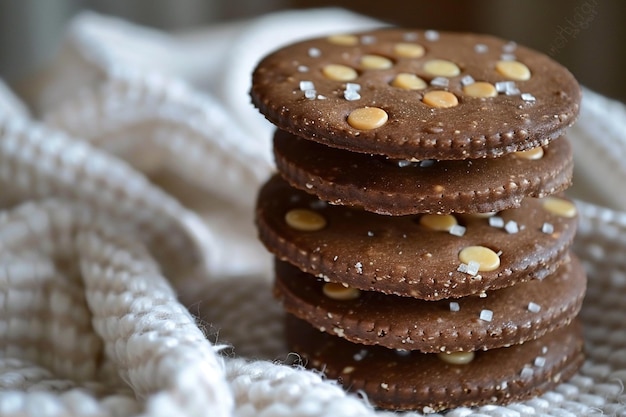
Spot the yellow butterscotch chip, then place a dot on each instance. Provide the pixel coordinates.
(340, 292)
(440, 99)
(532, 154)
(305, 220)
(367, 118)
(344, 40)
(408, 50)
(442, 68)
(486, 258)
(456, 358)
(375, 62)
(408, 81)
(438, 222)
(514, 70)
(480, 89)
(559, 206)
(338, 72)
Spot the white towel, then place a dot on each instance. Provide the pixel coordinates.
(131, 278)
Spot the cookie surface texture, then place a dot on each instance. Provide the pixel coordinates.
(409, 380)
(426, 256)
(519, 313)
(411, 94)
(401, 187)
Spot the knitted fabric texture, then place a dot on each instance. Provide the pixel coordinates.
(131, 279)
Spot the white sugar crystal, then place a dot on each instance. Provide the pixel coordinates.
(440, 82)
(310, 94)
(480, 48)
(431, 35)
(507, 57)
(513, 91)
(457, 230)
(462, 268)
(528, 97)
(544, 350)
(303, 68)
(321, 97)
(467, 80)
(307, 85)
(410, 36)
(351, 95)
(486, 315)
(403, 163)
(534, 307)
(360, 355)
(370, 233)
(427, 163)
(454, 306)
(368, 39)
(315, 53)
(540, 361)
(403, 352)
(511, 227)
(527, 373)
(504, 86)
(547, 228)
(359, 267)
(353, 87)
(509, 46)
(496, 221)
(472, 267)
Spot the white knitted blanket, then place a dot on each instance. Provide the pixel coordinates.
(131, 279)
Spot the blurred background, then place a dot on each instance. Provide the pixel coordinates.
(587, 36)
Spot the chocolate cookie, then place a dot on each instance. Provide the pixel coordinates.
(503, 317)
(414, 94)
(423, 256)
(428, 382)
(400, 187)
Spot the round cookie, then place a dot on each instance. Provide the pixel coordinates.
(410, 380)
(424, 256)
(504, 317)
(414, 94)
(400, 187)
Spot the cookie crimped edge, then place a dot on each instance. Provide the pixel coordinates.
(411, 335)
(389, 394)
(507, 196)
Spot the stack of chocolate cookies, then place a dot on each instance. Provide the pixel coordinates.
(421, 240)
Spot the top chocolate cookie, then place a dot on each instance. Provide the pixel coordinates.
(417, 94)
